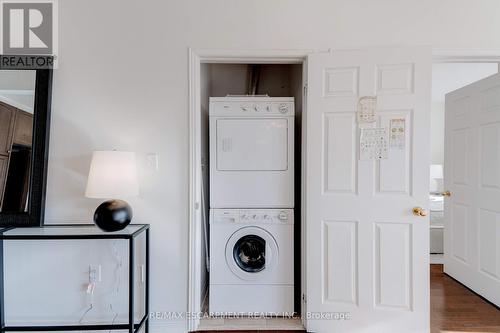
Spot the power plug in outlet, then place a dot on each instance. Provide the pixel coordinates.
(95, 273)
(143, 273)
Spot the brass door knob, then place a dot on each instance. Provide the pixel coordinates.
(446, 194)
(419, 211)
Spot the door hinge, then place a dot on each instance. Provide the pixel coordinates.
(305, 89)
(304, 298)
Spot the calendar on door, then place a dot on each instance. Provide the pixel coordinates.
(373, 143)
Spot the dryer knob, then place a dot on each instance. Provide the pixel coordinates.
(283, 216)
(283, 108)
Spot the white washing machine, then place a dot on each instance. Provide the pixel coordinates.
(251, 152)
(251, 261)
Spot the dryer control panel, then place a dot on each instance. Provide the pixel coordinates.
(252, 106)
(252, 216)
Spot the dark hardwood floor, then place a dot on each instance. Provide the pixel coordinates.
(254, 331)
(454, 308)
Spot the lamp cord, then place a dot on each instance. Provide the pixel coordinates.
(116, 291)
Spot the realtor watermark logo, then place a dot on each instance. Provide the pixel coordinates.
(29, 33)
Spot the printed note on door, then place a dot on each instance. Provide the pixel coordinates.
(373, 143)
(367, 106)
(398, 134)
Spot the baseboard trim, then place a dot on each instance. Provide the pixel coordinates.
(170, 326)
(482, 297)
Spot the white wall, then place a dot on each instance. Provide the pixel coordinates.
(447, 77)
(48, 283)
(122, 83)
(17, 88)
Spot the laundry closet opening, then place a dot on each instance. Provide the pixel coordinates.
(251, 138)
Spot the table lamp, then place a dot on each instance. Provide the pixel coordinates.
(112, 176)
(436, 177)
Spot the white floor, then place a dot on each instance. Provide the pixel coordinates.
(207, 324)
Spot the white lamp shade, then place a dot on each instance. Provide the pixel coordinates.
(436, 171)
(436, 178)
(112, 175)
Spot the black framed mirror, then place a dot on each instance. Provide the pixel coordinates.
(25, 100)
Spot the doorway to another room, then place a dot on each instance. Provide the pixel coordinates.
(446, 77)
(462, 257)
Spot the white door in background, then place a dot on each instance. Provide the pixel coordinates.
(472, 174)
(367, 254)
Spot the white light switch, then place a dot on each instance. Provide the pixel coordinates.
(152, 161)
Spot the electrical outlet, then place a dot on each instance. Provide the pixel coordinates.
(152, 161)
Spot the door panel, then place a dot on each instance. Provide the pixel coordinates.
(395, 79)
(23, 128)
(460, 156)
(372, 261)
(490, 155)
(7, 115)
(4, 163)
(340, 262)
(489, 224)
(460, 232)
(393, 265)
(340, 150)
(394, 175)
(472, 174)
(341, 82)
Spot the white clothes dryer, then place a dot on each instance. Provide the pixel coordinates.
(251, 152)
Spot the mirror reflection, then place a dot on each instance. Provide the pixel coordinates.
(17, 95)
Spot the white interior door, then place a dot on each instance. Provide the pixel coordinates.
(472, 174)
(367, 254)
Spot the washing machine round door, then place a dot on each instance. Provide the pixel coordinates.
(251, 253)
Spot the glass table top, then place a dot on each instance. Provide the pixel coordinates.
(89, 231)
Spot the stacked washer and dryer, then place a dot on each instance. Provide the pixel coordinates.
(251, 204)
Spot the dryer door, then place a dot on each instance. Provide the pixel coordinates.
(251, 253)
(252, 144)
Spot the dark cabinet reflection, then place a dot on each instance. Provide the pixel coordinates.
(16, 191)
(16, 135)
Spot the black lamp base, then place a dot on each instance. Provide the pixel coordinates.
(113, 215)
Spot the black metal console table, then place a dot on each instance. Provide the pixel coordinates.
(89, 232)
